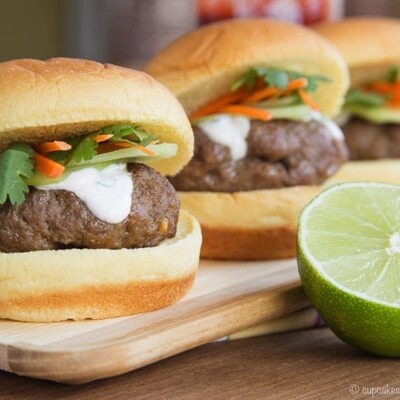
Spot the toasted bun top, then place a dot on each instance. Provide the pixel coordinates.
(203, 64)
(369, 44)
(61, 97)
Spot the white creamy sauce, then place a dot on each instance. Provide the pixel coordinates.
(343, 118)
(230, 131)
(334, 129)
(107, 193)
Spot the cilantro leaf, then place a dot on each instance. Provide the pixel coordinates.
(355, 96)
(118, 131)
(84, 150)
(144, 137)
(16, 163)
(128, 133)
(276, 78)
(248, 79)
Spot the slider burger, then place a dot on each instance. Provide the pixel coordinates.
(371, 114)
(258, 93)
(88, 223)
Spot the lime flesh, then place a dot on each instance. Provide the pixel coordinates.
(349, 263)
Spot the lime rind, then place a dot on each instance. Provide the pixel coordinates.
(353, 250)
(367, 325)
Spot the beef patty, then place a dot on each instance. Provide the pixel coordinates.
(58, 219)
(369, 141)
(280, 154)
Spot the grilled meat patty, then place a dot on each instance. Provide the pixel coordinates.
(369, 141)
(280, 154)
(58, 219)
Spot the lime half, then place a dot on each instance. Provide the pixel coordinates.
(349, 263)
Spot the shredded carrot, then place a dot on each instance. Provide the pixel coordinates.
(263, 94)
(102, 138)
(219, 102)
(393, 104)
(108, 147)
(308, 100)
(269, 91)
(250, 112)
(236, 103)
(48, 167)
(395, 97)
(295, 84)
(380, 87)
(137, 146)
(49, 147)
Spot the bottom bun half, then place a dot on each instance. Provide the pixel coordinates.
(45, 286)
(262, 224)
(254, 225)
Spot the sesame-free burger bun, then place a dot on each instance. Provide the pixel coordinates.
(202, 64)
(46, 286)
(61, 97)
(370, 45)
(253, 225)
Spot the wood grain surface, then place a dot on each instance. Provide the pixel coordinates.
(310, 364)
(226, 298)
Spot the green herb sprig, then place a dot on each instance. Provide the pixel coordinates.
(357, 96)
(16, 163)
(276, 78)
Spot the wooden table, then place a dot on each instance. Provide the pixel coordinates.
(310, 364)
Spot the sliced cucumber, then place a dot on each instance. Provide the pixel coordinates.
(100, 161)
(132, 154)
(299, 112)
(379, 115)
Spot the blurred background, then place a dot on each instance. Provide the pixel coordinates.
(129, 32)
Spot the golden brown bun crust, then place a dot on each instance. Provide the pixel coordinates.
(262, 225)
(98, 302)
(254, 225)
(366, 43)
(46, 286)
(42, 100)
(248, 244)
(203, 64)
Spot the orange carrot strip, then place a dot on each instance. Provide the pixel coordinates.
(102, 138)
(393, 104)
(262, 94)
(395, 97)
(380, 86)
(295, 84)
(49, 147)
(146, 150)
(47, 166)
(308, 100)
(251, 112)
(137, 146)
(219, 102)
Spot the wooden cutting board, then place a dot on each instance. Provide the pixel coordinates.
(226, 297)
